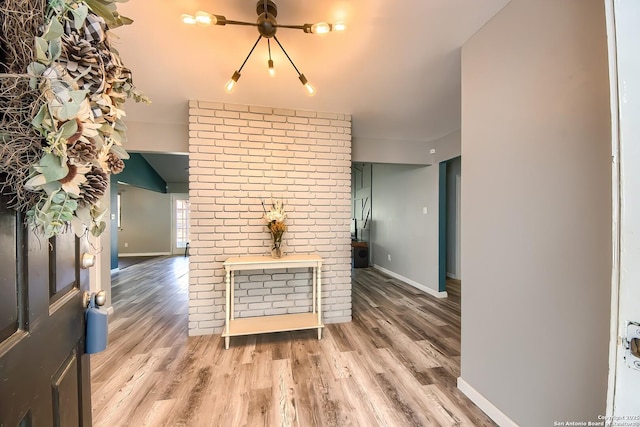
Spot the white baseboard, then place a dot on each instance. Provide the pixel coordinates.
(110, 310)
(487, 407)
(144, 254)
(453, 276)
(417, 285)
(113, 270)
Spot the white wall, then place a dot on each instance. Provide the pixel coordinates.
(146, 222)
(157, 137)
(403, 152)
(536, 212)
(399, 227)
(241, 155)
(372, 150)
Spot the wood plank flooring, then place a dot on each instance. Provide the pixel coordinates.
(396, 364)
(454, 287)
(128, 261)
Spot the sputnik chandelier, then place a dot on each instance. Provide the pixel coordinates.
(267, 27)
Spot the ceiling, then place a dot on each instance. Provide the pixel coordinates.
(172, 168)
(396, 69)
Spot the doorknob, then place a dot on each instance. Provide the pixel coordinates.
(101, 298)
(87, 260)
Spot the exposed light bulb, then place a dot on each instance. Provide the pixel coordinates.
(339, 26)
(320, 28)
(232, 82)
(204, 18)
(310, 89)
(272, 71)
(188, 19)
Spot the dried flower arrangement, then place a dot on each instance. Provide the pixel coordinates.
(62, 93)
(275, 223)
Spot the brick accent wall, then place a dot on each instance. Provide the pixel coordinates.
(240, 155)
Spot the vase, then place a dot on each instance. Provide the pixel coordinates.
(276, 251)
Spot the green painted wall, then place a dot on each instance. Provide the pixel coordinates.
(139, 173)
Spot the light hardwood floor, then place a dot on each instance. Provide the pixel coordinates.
(396, 364)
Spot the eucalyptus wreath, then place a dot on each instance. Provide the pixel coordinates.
(62, 94)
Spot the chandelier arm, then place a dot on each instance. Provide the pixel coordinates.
(295, 27)
(287, 55)
(251, 24)
(250, 52)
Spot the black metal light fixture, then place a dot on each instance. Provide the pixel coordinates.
(267, 27)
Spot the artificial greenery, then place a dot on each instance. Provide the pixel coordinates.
(74, 103)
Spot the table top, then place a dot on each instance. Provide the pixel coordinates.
(270, 262)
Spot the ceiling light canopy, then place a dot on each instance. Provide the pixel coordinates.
(267, 27)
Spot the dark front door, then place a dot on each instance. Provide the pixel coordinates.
(44, 373)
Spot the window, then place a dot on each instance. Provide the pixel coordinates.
(182, 223)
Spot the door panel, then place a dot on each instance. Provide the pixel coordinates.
(66, 411)
(8, 284)
(44, 373)
(63, 256)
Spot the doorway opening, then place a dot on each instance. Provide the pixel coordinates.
(449, 268)
(180, 224)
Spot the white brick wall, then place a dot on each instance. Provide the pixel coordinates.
(241, 155)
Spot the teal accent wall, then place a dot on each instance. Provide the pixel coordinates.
(442, 227)
(139, 173)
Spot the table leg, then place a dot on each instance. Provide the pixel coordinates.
(233, 296)
(319, 296)
(313, 292)
(227, 307)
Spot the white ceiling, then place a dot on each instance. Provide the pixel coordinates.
(396, 69)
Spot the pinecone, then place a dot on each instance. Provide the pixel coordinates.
(78, 56)
(93, 188)
(82, 152)
(115, 163)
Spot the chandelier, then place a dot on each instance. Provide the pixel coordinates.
(267, 28)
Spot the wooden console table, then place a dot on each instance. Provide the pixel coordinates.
(277, 323)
